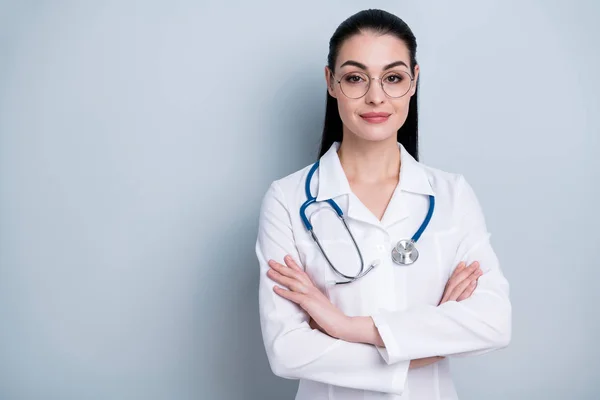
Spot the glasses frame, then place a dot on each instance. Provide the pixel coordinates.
(339, 82)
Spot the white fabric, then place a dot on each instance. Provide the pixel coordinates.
(402, 300)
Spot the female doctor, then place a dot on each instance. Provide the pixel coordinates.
(375, 268)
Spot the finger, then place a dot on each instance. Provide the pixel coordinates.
(292, 264)
(454, 280)
(468, 291)
(461, 276)
(451, 280)
(289, 261)
(299, 273)
(460, 273)
(289, 283)
(288, 294)
(456, 287)
(464, 285)
(283, 269)
(467, 271)
(461, 265)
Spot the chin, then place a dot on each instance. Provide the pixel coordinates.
(375, 134)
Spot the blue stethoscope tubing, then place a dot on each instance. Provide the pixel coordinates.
(404, 252)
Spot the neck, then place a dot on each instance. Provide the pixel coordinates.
(369, 162)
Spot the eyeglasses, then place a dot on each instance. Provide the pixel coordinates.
(355, 85)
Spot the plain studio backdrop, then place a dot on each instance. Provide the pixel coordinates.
(137, 139)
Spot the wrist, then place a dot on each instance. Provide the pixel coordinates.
(361, 330)
(343, 328)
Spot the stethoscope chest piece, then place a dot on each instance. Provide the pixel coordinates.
(405, 252)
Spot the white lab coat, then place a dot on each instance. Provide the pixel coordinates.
(402, 300)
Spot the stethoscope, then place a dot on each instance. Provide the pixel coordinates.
(404, 253)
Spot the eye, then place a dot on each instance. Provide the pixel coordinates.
(395, 78)
(354, 78)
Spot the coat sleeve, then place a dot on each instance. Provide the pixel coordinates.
(294, 349)
(476, 325)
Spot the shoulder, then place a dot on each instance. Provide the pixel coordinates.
(443, 183)
(453, 189)
(289, 184)
(287, 188)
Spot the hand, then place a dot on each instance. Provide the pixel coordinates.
(423, 362)
(416, 363)
(462, 283)
(302, 291)
(313, 324)
(460, 286)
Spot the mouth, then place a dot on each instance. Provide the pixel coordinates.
(375, 118)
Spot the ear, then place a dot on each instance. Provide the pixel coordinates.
(330, 82)
(413, 89)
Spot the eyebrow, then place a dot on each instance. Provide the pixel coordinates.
(363, 66)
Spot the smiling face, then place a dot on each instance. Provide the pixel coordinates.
(376, 116)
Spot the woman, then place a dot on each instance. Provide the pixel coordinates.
(387, 331)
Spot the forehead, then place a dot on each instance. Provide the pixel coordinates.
(373, 50)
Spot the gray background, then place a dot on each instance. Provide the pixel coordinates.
(138, 138)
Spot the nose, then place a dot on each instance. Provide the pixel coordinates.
(375, 94)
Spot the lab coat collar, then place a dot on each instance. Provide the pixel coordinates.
(333, 181)
(413, 177)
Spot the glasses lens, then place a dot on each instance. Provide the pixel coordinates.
(354, 84)
(396, 83)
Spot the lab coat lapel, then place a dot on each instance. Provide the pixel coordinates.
(413, 184)
(358, 211)
(332, 180)
(333, 184)
(398, 208)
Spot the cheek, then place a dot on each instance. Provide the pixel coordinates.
(347, 111)
(401, 108)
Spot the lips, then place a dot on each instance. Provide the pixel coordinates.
(375, 117)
